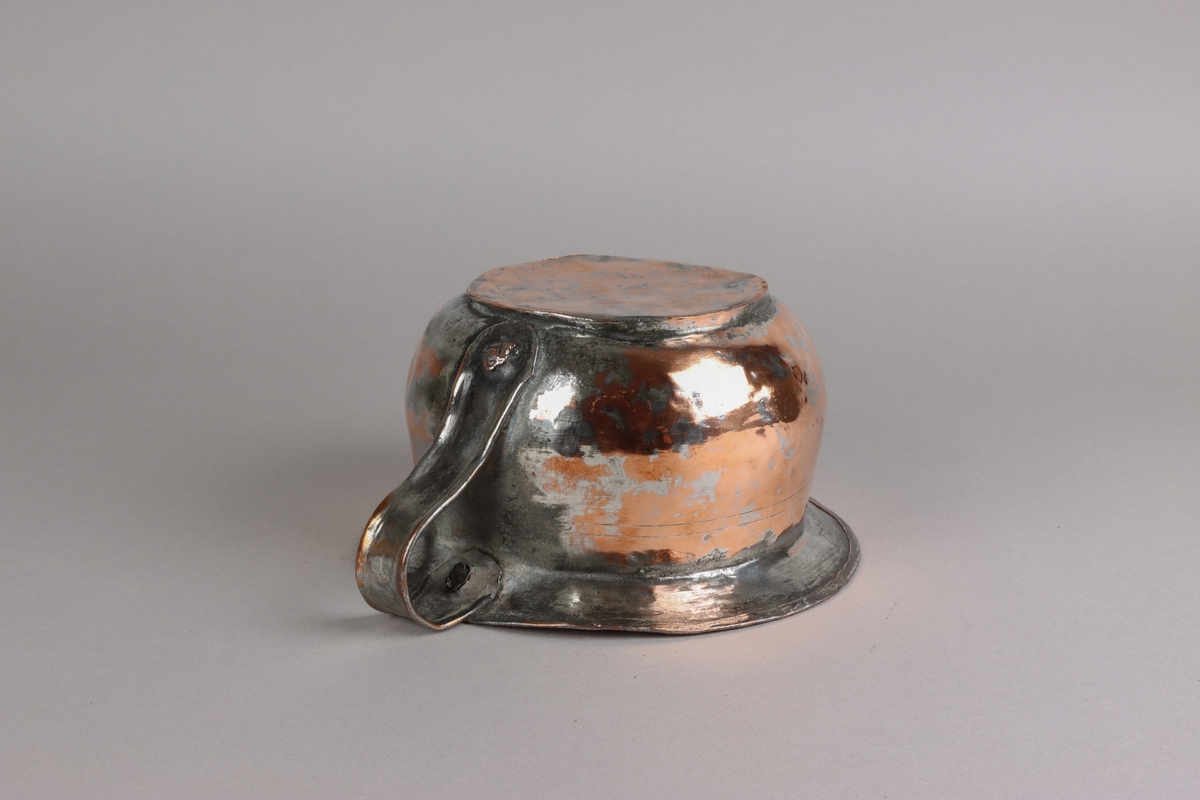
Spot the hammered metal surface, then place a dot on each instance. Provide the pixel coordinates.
(606, 288)
(663, 459)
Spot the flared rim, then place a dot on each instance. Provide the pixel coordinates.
(782, 581)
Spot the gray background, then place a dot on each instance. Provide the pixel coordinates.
(223, 226)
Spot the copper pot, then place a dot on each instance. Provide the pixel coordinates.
(609, 443)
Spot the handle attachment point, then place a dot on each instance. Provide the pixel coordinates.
(463, 578)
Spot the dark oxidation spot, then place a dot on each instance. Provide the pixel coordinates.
(765, 366)
(636, 412)
(638, 408)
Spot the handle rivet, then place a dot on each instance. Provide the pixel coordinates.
(497, 354)
(458, 576)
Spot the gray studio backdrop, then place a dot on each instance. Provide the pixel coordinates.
(223, 226)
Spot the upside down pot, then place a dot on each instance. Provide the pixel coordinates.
(609, 443)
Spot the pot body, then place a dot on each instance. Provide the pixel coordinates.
(653, 446)
(609, 443)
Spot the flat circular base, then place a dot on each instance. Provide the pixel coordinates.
(780, 582)
(602, 288)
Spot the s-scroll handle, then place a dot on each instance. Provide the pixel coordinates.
(453, 579)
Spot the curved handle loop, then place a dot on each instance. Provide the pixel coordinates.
(444, 584)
